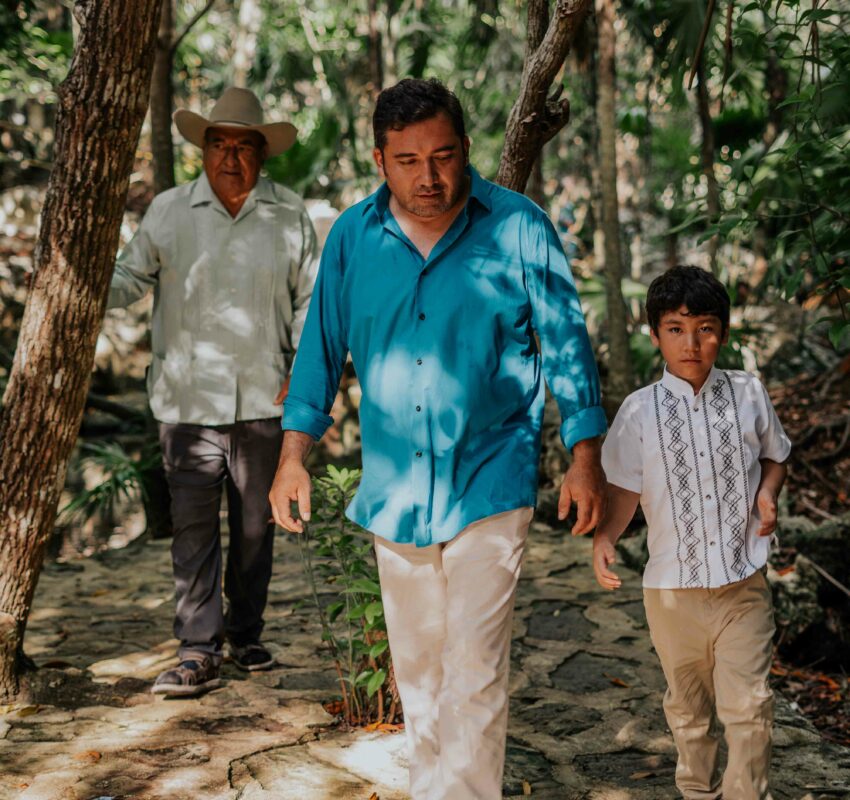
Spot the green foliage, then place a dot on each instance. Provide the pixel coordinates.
(122, 478)
(338, 557)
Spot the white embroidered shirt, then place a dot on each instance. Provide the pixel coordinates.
(695, 461)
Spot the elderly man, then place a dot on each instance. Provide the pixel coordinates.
(232, 260)
(437, 284)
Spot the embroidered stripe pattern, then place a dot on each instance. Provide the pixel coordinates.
(731, 498)
(716, 493)
(699, 486)
(669, 484)
(677, 446)
(744, 477)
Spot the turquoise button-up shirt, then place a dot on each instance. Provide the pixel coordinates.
(445, 350)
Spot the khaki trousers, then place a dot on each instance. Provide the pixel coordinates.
(715, 647)
(449, 609)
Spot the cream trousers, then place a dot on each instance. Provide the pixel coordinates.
(715, 647)
(449, 609)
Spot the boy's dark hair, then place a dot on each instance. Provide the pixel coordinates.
(414, 100)
(696, 289)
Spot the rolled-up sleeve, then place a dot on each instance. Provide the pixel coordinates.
(322, 349)
(568, 363)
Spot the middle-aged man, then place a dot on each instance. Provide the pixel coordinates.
(232, 260)
(437, 284)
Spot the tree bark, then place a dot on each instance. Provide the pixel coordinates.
(707, 160)
(536, 118)
(376, 57)
(245, 46)
(162, 102)
(620, 379)
(102, 104)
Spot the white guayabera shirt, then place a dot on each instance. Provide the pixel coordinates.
(694, 460)
(230, 299)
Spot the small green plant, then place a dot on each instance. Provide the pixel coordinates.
(338, 554)
(123, 478)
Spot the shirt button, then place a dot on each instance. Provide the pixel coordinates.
(701, 453)
(712, 543)
(421, 316)
(419, 361)
(419, 454)
(696, 408)
(418, 408)
(708, 497)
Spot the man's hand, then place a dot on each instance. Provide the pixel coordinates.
(604, 555)
(291, 484)
(585, 484)
(766, 502)
(281, 395)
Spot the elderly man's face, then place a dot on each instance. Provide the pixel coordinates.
(232, 161)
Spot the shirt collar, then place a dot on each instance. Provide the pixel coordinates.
(203, 194)
(478, 190)
(679, 386)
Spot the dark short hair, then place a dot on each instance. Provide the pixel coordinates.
(696, 289)
(414, 100)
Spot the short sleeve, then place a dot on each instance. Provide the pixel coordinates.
(775, 444)
(622, 450)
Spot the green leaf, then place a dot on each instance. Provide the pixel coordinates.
(378, 648)
(365, 586)
(363, 677)
(375, 682)
(373, 610)
(837, 332)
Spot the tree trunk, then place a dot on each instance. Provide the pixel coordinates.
(102, 104)
(245, 46)
(620, 379)
(162, 102)
(536, 186)
(376, 58)
(707, 159)
(536, 118)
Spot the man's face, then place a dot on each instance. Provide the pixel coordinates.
(232, 161)
(423, 165)
(689, 344)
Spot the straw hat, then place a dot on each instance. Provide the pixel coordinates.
(236, 108)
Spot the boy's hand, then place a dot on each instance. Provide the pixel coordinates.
(766, 502)
(604, 555)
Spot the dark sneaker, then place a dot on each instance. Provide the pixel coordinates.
(190, 678)
(251, 657)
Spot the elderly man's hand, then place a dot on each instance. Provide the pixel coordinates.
(281, 395)
(585, 484)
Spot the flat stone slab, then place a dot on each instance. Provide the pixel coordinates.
(586, 720)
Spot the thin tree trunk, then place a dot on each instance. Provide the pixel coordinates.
(102, 104)
(620, 378)
(536, 189)
(707, 160)
(776, 84)
(376, 58)
(245, 46)
(536, 118)
(162, 102)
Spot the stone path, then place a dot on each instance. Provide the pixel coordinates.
(586, 717)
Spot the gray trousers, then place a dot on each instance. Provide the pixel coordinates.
(200, 462)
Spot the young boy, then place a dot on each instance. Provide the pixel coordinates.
(702, 450)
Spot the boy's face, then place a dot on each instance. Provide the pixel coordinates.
(689, 344)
